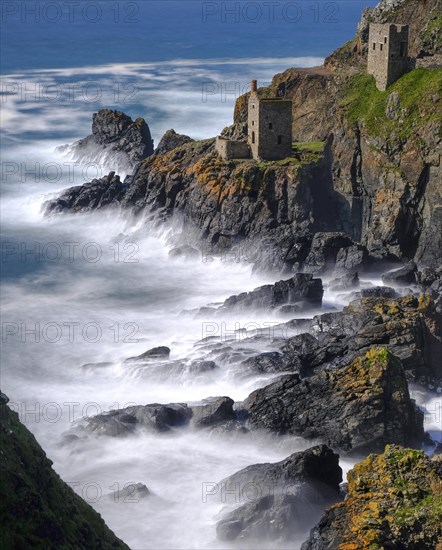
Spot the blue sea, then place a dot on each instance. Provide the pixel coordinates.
(179, 64)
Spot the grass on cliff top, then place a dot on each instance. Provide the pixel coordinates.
(308, 152)
(434, 26)
(364, 102)
(309, 146)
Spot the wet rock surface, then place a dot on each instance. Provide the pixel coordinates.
(280, 499)
(160, 352)
(116, 140)
(213, 410)
(401, 277)
(97, 194)
(363, 405)
(301, 290)
(154, 417)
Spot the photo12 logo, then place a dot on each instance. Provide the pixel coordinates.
(225, 91)
(52, 172)
(69, 252)
(71, 332)
(68, 92)
(69, 12)
(270, 11)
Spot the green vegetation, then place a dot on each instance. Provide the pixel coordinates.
(309, 146)
(308, 152)
(395, 500)
(37, 508)
(289, 161)
(363, 102)
(433, 32)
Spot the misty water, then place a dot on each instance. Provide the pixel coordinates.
(81, 293)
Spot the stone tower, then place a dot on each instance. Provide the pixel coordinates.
(269, 126)
(387, 53)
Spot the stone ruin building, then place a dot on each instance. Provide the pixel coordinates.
(269, 130)
(387, 53)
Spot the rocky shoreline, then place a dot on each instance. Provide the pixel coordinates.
(361, 195)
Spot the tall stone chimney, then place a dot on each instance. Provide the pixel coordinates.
(253, 86)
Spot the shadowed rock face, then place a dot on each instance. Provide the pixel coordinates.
(213, 411)
(301, 289)
(408, 327)
(363, 405)
(122, 133)
(37, 508)
(117, 142)
(171, 140)
(286, 496)
(394, 500)
(97, 194)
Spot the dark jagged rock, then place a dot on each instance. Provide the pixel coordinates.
(317, 464)
(116, 141)
(301, 289)
(267, 362)
(210, 412)
(401, 277)
(118, 131)
(171, 140)
(408, 327)
(376, 292)
(97, 194)
(334, 251)
(346, 282)
(213, 410)
(154, 354)
(37, 508)
(427, 276)
(394, 500)
(304, 353)
(287, 496)
(365, 404)
(154, 417)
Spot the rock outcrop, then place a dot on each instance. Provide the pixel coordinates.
(299, 293)
(280, 499)
(210, 412)
(97, 194)
(361, 406)
(117, 142)
(367, 165)
(409, 327)
(152, 417)
(37, 508)
(171, 140)
(394, 500)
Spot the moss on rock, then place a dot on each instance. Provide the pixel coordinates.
(394, 500)
(37, 509)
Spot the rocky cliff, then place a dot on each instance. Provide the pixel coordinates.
(37, 509)
(365, 163)
(385, 147)
(116, 142)
(394, 500)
